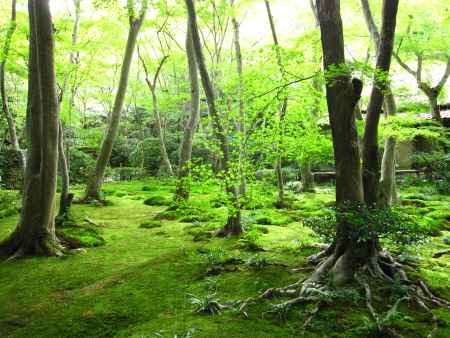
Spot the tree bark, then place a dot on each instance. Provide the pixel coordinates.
(345, 254)
(371, 165)
(387, 184)
(35, 233)
(307, 177)
(93, 189)
(183, 184)
(233, 225)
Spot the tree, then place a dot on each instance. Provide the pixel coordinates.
(371, 166)
(388, 186)
(35, 233)
(159, 127)
(66, 196)
(240, 125)
(4, 53)
(93, 188)
(233, 225)
(282, 110)
(425, 39)
(183, 186)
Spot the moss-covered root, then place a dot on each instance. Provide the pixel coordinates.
(381, 268)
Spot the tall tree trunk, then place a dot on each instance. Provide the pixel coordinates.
(233, 225)
(165, 162)
(371, 165)
(4, 53)
(388, 188)
(240, 126)
(159, 127)
(281, 113)
(183, 183)
(345, 254)
(35, 233)
(66, 197)
(93, 188)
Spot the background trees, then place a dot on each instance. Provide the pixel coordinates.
(35, 233)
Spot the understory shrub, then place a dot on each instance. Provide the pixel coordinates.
(392, 224)
(9, 203)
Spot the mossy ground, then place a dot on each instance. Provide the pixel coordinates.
(138, 283)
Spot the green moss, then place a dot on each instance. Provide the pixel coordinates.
(137, 284)
(159, 200)
(151, 224)
(81, 236)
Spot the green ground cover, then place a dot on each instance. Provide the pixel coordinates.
(141, 278)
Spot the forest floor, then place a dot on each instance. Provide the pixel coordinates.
(141, 281)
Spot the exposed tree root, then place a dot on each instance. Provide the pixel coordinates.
(381, 268)
(441, 253)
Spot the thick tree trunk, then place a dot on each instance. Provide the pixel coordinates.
(233, 225)
(183, 184)
(371, 165)
(433, 102)
(307, 177)
(93, 189)
(35, 233)
(346, 253)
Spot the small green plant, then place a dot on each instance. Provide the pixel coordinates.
(207, 304)
(257, 262)
(251, 240)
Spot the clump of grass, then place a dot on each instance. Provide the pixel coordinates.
(120, 193)
(257, 262)
(157, 200)
(251, 241)
(151, 224)
(208, 304)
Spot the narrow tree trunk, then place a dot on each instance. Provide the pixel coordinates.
(387, 184)
(66, 197)
(159, 128)
(241, 129)
(14, 140)
(282, 112)
(233, 225)
(35, 233)
(183, 184)
(93, 189)
(371, 165)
